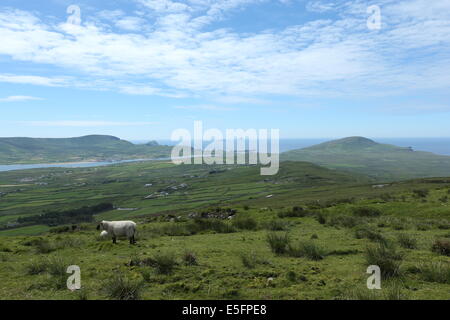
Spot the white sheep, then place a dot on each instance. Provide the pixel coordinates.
(117, 229)
(104, 234)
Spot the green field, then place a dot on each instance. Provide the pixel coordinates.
(179, 256)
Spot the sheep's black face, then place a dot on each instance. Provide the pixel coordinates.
(98, 227)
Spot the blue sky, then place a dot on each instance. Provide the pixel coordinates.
(139, 69)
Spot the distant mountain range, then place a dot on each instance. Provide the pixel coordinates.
(92, 147)
(378, 161)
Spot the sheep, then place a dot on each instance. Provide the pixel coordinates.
(119, 229)
(104, 234)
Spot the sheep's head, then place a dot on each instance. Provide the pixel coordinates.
(101, 226)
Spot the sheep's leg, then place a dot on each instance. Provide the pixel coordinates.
(132, 240)
(114, 240)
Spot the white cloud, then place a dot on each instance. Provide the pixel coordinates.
(19, 99)
(33, 80)
(178, 57)
(206, 107)
(130, 23)
(69, 123)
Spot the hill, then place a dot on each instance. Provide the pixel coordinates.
(214, 232)
(378, 161)
(92, 147)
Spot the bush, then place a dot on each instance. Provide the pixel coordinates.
(44, 246)
(245, 223)
(441, 246)
(366, 212)
(435, 272)
(190, 258)
(122, 288)
(163, 262)
(407, 241)
(276, 225)
(371, 234)
(37, 267)
(251, 260)
(307, 249)
(386, 257)
(321, 218)
(295, 212)
(219, 226)
(278, 242)
(344, 221)
(421, 193)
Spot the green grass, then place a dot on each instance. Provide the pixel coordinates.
(265, 255)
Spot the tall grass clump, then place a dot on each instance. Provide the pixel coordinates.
(45, 246)
(163, 262)
(295, 212)
(217, 225)
(245, 223)
(122, 288)
(37, 266)
(366, 212)
(276, 225)
(435, 272)
(278, 242)
(407, 241)
(366, 232)
(308, 249)
(250, 259)
(386, 257)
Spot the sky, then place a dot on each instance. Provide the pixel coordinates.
(140, 69)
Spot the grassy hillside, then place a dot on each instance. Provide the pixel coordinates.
(378, 161)
(306, 233)
(94, 147)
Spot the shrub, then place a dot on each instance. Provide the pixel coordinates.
(366, 212)
(44, 246)
(122, 288)
(251, 260)
(57, 266)
(190, 258)
(321, 218)
(278, 242)
(421, 193)
(163, 262)
(297, 212)
(245, 223)
(371, 234)
(423, 226)
(435, 272)
(37, 267)
(219, 226)
(175, 229)
(441, 246)
(407, 241)
(307, 249)
(344, 221)
(386, 257)
(276, 225)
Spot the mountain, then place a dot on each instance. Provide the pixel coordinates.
(92, 147)
(378, 161)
